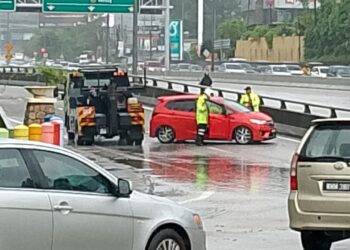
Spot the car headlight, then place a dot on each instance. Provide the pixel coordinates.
(197, 221)
(259, 122)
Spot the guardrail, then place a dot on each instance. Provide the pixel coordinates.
(292, 117)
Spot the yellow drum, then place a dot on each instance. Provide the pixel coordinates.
(35, 132)
(21, 132)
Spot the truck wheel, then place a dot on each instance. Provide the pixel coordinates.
(71, 136)
(138, 142)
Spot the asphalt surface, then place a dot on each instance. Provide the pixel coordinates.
(240, 191)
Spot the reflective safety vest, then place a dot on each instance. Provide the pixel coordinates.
(202, 111)
(252, 101)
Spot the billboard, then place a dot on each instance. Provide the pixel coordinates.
(176, 39)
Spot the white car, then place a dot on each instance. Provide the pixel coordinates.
(232, 68)
(319, 71)
(295, 70)
(279, 70)
(53, 198)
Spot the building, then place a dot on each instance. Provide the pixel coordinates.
(273, 11)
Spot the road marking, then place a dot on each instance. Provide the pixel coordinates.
(205, 195)
(15, 121)
(220, 150)
(288, 139)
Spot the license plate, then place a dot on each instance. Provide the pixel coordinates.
(336, 186)
(103, 131)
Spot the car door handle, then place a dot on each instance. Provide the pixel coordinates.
(62, 208)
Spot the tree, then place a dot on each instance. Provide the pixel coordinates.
(232, 29)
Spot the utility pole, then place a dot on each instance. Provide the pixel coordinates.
(315, 11)
(107, 42)
(214, 37)
(200, 24)
(167, 38)
(135, 40)
(150, 39)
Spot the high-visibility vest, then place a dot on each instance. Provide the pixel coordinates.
(254, 105)
(202, 112)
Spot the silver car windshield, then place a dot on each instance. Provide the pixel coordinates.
(328, 143)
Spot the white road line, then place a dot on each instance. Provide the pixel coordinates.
(220, 150)
(203, 196)
(15, 121)
(288, 139)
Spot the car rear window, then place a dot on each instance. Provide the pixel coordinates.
(182, 105)
(329, 142)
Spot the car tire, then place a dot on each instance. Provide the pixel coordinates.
(315, 240)
(243, 135)
(167, 239)
(165, 134)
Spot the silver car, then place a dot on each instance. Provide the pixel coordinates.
(53, 198)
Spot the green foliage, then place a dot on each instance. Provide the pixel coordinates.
(328, 39)
(54, 77)
(232, 29)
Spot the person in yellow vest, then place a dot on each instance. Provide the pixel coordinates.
(250, 100)
(202, 117)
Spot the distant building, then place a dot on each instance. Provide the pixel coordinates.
(273, 11)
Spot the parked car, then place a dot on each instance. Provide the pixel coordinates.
(184, 67)
(263, 69)
(196, 68)
(154, 66)
(339, 71)
(319, 198)
(57, 199)
(173, 119)
(279, 70)
(248, 68)
(232, 68)
(319, 71)
(295, 70)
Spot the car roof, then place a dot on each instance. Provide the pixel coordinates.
(19, 143)
(331, 120)
(184, 97)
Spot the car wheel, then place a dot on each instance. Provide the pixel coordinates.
(313, 240)
(243, 135)
(167, 239)
(165, 134)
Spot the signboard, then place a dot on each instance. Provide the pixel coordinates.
(88, 6)
(222, 44)
(176, 39)
(8, 5)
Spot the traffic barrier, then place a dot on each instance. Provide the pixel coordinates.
(21, 132)
(47, 132)
(4, 133)
(56, 119)
(35, 132)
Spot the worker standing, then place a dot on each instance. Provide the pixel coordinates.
(202, 117)
(250, 100)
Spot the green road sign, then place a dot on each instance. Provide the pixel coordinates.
(88, 6)
(7, 5)
(176, 39)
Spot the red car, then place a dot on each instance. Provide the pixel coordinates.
(174, 118)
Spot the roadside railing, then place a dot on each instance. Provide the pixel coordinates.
(282, 104)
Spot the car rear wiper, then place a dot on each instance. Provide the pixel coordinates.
(327, 158)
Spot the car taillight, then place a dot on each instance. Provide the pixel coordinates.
(293, 172)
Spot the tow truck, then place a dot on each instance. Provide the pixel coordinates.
(99, 101)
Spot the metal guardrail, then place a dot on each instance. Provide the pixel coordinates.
(307, 107)
(17, 69)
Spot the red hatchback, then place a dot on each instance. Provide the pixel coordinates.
(174, 118)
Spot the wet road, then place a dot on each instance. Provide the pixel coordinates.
(240, 191)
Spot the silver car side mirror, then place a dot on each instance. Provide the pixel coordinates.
(124, 188)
